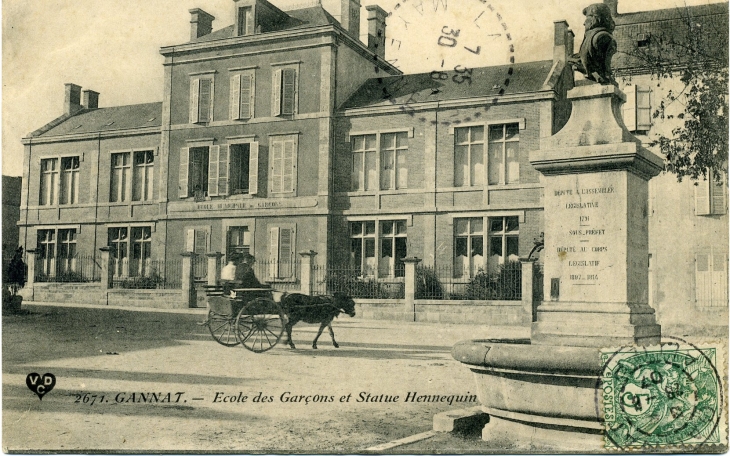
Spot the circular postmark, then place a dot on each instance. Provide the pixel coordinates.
(441, 42)
(666, 395)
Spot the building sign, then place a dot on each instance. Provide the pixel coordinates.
(243, 205)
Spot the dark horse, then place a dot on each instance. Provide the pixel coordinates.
(315, 309)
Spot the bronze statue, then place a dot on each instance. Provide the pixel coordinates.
(598, 47)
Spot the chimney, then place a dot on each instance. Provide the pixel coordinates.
(90, 99)
(350, 17)
(376, 29)
(613, 6)
(201, 23)
(72, 101)
(563, 45)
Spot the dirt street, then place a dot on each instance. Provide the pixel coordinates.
(108, 362)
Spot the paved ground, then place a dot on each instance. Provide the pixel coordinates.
(114, 353)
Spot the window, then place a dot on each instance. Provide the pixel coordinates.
(281, 253)
(201, 99)
(390, 159)
(56, 250)
(364, 162)
(143, 175)
(468, 246)
(711, 279)
(469, 156)
(130, 258)
(244, 163)
(69, 180)
(245, 21)
(242, 96)
(391, 242)
(503, 241)
(504, 151)
(49, 180)
(283, 164)
(711, 196)
(46, 252)
(121, 177)
(284, 92)
(239, 240)
(194, 171)
(637, 109)
(66, 251)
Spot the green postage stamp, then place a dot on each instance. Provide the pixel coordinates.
(666, 396)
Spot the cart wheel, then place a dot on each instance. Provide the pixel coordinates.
(260, 324)
(222, 329)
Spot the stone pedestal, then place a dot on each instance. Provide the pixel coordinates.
(596, 228)
(545, 393)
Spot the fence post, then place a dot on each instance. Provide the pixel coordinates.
(30, 280)
(106, 270)
(188, 281)
(528, 304)
(410, 285)
(214, 272)
(307, 276)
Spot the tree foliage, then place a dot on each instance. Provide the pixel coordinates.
(695, 52)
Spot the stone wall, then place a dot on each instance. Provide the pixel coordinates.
(497, 313)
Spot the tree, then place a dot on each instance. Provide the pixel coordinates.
(693, 51)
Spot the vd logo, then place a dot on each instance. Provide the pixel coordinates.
(40, 384)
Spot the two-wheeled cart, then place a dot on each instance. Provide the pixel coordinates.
(248, 316)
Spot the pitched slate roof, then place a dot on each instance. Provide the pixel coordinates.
(711, 21)
(486, 81)
(300, 18)
(107, 119)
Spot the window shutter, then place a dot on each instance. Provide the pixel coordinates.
(288, 167)
(289, 77)
(184, 164)
(277, 152)
(234, 102)
(286, 244)
(201, 241)
(223, 170)
(212, 98)
(718, 191)
(274, 252)
(246, 97)
(703, 279)
(276, 94)
(643, 108)
(702, 197)
(194, 98)
(253, 168)
(629, 108)
(213, 153)
(190, 240)
(719, 280)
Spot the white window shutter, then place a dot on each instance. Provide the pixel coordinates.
(643, 108)
(274, 252)
(246, 97)
(213, 170)
(183, 175)
(702, 197)
(703, 279)
(277, 162)
(190, 240)
(234, 103)
(212, 99)
(286, 244)
(201, 242)
(288, 102)
(718, 192)
(253, 168)
(629, 108)
(719, 279)
(276, 94)
(223, 170)
(287, 169)
(194, 97)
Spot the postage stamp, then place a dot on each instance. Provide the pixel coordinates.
(666, 396)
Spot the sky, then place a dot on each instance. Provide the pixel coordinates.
(112, 46)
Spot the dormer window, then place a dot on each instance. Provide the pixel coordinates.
(245, 23)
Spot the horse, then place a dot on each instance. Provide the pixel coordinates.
(315, 309)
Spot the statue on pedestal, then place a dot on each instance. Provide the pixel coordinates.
(598, 47)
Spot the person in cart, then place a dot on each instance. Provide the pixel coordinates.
(239, 273)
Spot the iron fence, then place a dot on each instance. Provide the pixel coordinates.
(441, 282)
(153, 274)
(76, 269)
(280, 275)
(357, 283)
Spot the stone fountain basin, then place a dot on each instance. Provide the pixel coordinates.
(537, 396)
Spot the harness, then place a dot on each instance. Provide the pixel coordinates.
(323, 304)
